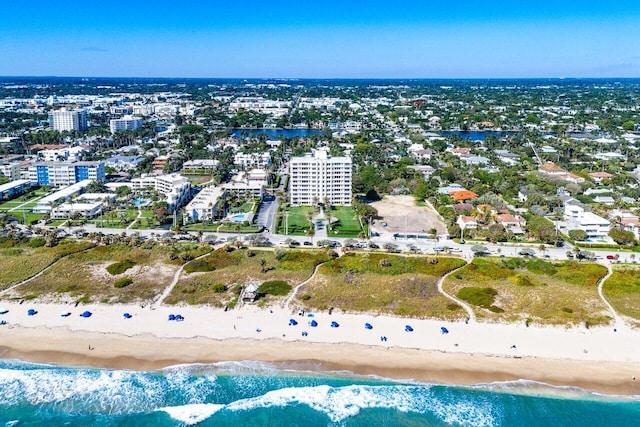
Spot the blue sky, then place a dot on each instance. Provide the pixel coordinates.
(344, 39)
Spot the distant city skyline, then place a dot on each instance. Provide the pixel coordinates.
(327, 39)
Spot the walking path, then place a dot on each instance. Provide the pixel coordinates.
(25, 203)
(135, 220)
(290, 298)
(173, 283)
(618, 321)
(470, 314)
(41, 272)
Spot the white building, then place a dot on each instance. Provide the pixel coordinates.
(85, 210)
(204, 205)
(252, 160)
(175, 187)
(10, 170)
(577, 218)
(318, 176)
(68, 120)
(45, 204)
(125, 123)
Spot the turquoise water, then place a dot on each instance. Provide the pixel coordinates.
(257, 394)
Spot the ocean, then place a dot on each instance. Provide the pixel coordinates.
(259, 394)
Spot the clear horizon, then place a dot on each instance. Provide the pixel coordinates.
(328, 40)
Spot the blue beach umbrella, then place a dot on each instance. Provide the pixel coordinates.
(292, 322)
(314, 323)
(172, 317)
(32, 312)
(408, 328)
(368, 326)
(86, 314)
(444, 330)
(126, 316)
(335, 324)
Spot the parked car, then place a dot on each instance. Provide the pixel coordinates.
(611, 257)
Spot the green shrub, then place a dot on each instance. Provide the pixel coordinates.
(12, 252)
(306, 297)
(36, 242)
(275, 287)
(199, 266)
(120, 267)
(523, 280)
(123, 282)
(539, 266)
(482, 297)
(219, 288)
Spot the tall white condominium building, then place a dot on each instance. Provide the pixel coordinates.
(125, 123)
(68, 120)
(318, 175)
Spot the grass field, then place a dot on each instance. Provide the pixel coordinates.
(516, 289)
(297, 221)
(84, 276)
(19, 261)
(383, 283)
(347, 225)
(622, 290)
(217, 278)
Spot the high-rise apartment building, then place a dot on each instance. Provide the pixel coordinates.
(68, 120)
(318, 176)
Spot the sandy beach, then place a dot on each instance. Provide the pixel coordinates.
(599, 359)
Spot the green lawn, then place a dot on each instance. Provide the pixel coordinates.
(383, 283)
(297, 221)
(517, 289)
(347, 225)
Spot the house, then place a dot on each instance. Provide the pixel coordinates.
(607, 200)
(551, 169)
(461, 196)
(467, 222)
(524, 193)
(507, 157)
(512, 223)
(598, 177)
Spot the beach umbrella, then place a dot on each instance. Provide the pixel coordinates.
(3, 311)
(314, 323)
(65, 314)
(86, 314)
(335, 324)
(408, 328)
(292, 322)
(179, 318)
(31, 312)
(368, 326)
(127, 316)
(444, 330)
(172, 317)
